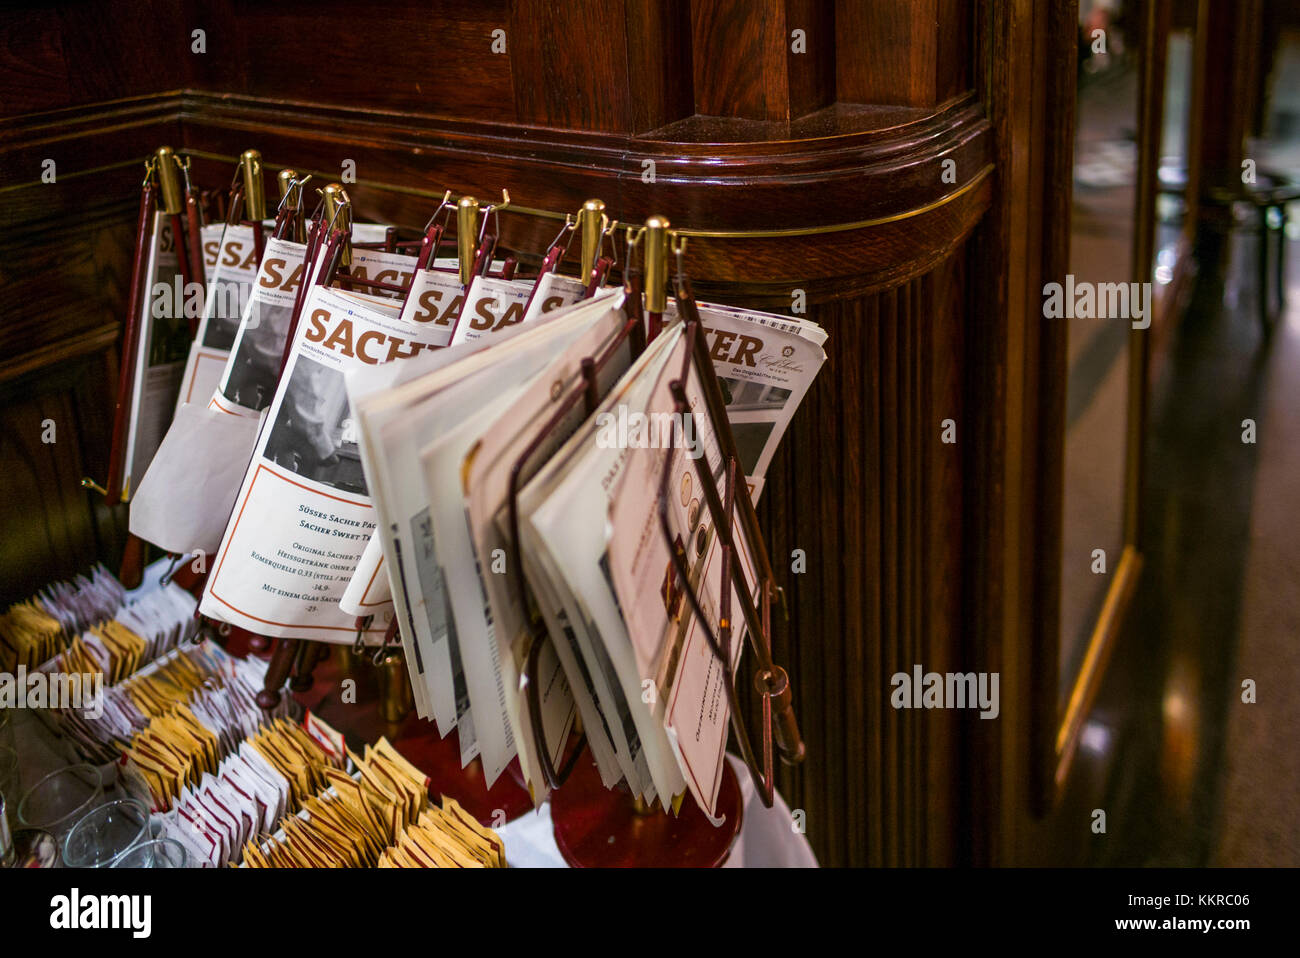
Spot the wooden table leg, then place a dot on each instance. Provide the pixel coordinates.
(277, 670)
(309, 653)
(132, 569)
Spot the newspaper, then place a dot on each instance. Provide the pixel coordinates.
(396, 422)
(210, 240)
(183, 503)
(474, 405)
(422, 652)
(190, 490)
(668, 640)
(303, 514)
(184, 499)
(435, 301)
(553, 291)
(160, 353)
(232, 271)
(368, 592)
(562, 532)
(486, 472)
(765, 364)
(436, 298)
(493, 304)
(602, 570)
(247, 382)
(433, 304)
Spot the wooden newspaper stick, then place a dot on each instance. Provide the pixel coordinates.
(130, 337)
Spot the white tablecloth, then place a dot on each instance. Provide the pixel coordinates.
(767, 837)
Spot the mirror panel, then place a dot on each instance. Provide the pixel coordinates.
(1101, 254)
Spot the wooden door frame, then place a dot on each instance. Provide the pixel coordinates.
(1018, 382)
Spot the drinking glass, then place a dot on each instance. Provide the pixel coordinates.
(104, 833)
(33, 848)
(61, 798)
(9, 782)
(158, 853)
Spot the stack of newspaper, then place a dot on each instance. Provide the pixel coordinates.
(380, 485)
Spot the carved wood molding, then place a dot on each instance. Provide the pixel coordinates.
(98, 153)
(844, 165)
(912, 183)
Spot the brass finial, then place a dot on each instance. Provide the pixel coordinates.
(250, 161)
(168, 165)
(466, 236)
(338, 213)
(656, 263)
(591, 219)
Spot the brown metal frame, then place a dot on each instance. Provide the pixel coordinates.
(771, 682)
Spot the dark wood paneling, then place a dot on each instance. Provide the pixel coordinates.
(406, 56)
(659, 56)
(839, 264)
(849, 170)
(33, 72)
(587, 83)
(79, 313)
(812, 72)
(73, 54)
(616, 67)
(753, 71)
(98, 155)
(866, 488)
(905, 52)
(1013, 377)
(53, 528)
(127, 48)
(750, 80)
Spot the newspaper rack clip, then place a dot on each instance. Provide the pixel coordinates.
(113, 487)
(771, 681)
(585, 392)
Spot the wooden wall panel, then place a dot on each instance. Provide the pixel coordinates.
(849, 172)
(54, 56)
(65, 251)
(127, 48)
(753, 70)
(903, 52)
(750, 80)
(409, 55)
(82, 313)
(636, 78)
(54, 529)
(812, 71)
(865, 487)
(953, 44)
(588, 86)
(33, 72)
(659, 57)
(98, 155)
